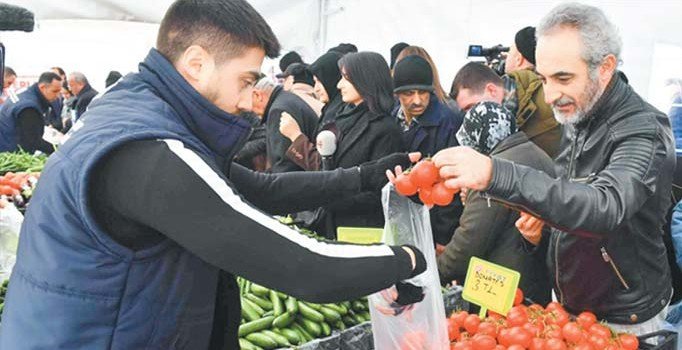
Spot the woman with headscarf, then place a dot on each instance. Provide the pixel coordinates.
(487, 228)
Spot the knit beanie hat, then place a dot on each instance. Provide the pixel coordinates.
(326, 69)
(485, 125)
(289, 59)
(412, 73)
(525, 43)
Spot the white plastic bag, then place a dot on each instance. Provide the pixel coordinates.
(423, 327)
(10, 225)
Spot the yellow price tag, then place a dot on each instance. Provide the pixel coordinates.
(490, 286)
(359, 235)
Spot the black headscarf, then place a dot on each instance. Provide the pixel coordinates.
(326, 69)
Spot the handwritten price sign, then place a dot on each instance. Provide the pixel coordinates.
(490, 286)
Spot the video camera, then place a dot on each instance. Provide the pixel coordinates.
(493, 56)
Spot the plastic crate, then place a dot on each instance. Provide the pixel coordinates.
(667, 340)
(354, 338)
(453, 301)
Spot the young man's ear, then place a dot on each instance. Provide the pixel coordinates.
(195, 63)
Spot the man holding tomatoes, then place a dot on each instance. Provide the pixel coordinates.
(606, 208)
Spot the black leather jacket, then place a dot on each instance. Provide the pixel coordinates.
(607, 208)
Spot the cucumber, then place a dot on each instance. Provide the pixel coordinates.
(292, 305)
(255, 326)
(297, 327)
(291, 335)
(338, 308)
(326, 329)
(259, 290)
(313, 328)
(358, 306)
(330, 315)
(300, 334)
(265, 304)
(283, 320)
(340, 326)
(281, 340)
(366, 315)
(313, 306)
(246, 345)
(348, 320)
(254, 306)
(248, 312)
(262, 340)
(310, 313)
(269, 313)
(282, 295)
(277, 306)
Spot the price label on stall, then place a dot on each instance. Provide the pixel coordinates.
(490, 286)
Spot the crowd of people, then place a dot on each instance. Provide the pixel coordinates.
(564, 173)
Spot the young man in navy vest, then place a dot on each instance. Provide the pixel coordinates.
(140, 221)
(23, 119)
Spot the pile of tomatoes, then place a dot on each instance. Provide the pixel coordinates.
(536, 328)
(424, 178)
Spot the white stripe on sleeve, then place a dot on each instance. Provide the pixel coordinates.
(225, 192)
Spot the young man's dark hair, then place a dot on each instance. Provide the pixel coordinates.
(474, 76)
(288, 59)
(48, 77)
(344, 48)
(10, 72)
(223, 28)
(370, 75)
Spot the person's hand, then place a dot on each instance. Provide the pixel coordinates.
(530, 228)
(289, 127)
(372, 172)
(463, 167)
(400, 299)
(440, 249)
(463, 194)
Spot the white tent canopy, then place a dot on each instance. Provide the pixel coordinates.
(95, 36)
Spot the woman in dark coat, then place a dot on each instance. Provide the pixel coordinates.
(364, 131)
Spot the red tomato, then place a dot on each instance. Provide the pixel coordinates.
(535, 330)
(487, 328)
(583, 346)
(459, 317)
(464, 345)
(559, 317)
(572, 333)
(598, 342)
(537, 344)
(555, 344)
(425, 195)
(453, 330)
(442, 195)
(536, 308)
(553, 306)
(483, 342)
(503, 337)
(424, 174)
(494, 315)
(517, 316)
(586, 319)
(553, 332)
(520, 336)
(404, 186)
(516, 347)
(500, 347)
(600, 330)
(518, 298)
(628, 341)
(471, 323)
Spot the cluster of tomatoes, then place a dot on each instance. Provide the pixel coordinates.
(424, 178)
(536, 328)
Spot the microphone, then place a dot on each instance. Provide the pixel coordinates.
(326, 145)
(16, 18)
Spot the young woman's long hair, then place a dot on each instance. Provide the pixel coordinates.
(371, 77)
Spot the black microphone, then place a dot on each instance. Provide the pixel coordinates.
(16, 18)
(326, 145)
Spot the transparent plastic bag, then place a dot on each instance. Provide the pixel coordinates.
(423, 325)
(10, 225)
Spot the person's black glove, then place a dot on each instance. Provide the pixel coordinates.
(408, 293)
(373, 173)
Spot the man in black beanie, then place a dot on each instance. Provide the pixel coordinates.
(299, 80)
(344, 48)
(428, 127)
(289, 59)
(522, 53)
(395, 51)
